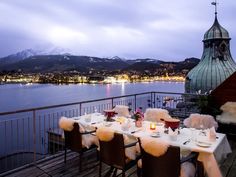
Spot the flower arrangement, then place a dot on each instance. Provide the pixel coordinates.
(138, 115)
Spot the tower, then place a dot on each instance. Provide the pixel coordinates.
(216, 63)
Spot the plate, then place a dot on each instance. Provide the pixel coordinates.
(203, 144)
(159, 124)
(107, 124)
(155, 135)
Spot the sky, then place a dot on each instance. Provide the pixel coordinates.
(168, 30)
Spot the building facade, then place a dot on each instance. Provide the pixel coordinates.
(216, 63)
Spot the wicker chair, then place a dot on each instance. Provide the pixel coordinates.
(200, 121)
(73, 141)
(112, 153)
(167, 165)
(121, 110)
(156, 114)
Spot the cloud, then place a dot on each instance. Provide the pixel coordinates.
(158, 29)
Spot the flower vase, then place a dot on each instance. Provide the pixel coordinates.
(138, 123)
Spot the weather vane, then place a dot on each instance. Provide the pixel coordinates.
(215, 3)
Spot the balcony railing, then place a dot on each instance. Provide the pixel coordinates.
(33, 134)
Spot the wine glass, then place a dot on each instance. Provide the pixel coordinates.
(202, 131)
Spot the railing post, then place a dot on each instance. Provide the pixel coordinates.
(151, 100)
(34, 134)
(135, 99)
(112, 103)
(154, 99)
(80, 109)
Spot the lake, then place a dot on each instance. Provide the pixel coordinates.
(22, 96)
(22, 134)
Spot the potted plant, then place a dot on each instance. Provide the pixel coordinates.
(207, 106)
(138, 117)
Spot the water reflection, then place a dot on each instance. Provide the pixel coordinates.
(123, 88)
(17, 96)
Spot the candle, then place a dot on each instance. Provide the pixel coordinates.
(152, 126)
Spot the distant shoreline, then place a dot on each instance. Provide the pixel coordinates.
(99, 83)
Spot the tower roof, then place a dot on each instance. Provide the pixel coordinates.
(216, 31)
(216, 63)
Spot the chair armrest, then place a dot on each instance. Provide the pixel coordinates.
(90, 132)
(191, 156)
(131, 144)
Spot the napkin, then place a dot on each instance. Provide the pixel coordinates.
(212, 134)
(173, 134)
(125, 125)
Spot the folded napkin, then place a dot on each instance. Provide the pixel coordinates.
(125, 125)
(173, 134)
(212, 134)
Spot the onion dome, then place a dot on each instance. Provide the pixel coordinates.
(216, 32)
(216, 63)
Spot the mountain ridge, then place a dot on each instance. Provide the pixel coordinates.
(29, 61)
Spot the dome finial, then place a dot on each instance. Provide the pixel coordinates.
(215, 4)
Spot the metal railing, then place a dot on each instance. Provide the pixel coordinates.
(32, 134)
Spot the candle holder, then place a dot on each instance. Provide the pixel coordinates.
(152, 126)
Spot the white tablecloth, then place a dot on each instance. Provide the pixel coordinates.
(209, 156)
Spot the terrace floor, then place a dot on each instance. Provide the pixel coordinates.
(56, 166)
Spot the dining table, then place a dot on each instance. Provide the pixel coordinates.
(188, 139)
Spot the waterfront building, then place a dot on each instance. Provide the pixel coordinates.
(216, 63)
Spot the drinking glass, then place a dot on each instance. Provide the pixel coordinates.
(87, 117)
(193, 134)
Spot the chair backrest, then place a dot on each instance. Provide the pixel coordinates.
(113, 152)
(200, 121)
(167, 165)
(156, 114)
(122, 110)
(73, 139)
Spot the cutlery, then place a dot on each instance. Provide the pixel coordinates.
(184, 143)
(96, 122)
(135, 131)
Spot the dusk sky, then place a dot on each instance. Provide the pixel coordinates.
(166, 30)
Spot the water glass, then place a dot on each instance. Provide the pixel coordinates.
(87, 118)
(193, 134)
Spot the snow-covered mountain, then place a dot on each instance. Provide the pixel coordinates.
(33, 52)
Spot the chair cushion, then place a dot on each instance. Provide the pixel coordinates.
(130, 152)
(122, 110)
(229, 107)
(198, 120)
(187, 170)
(140, 163)
(88, 140)
(105, 133)
(229, 113)
(66, 123)
(226, 118)
(156, 114)
(150, 145)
